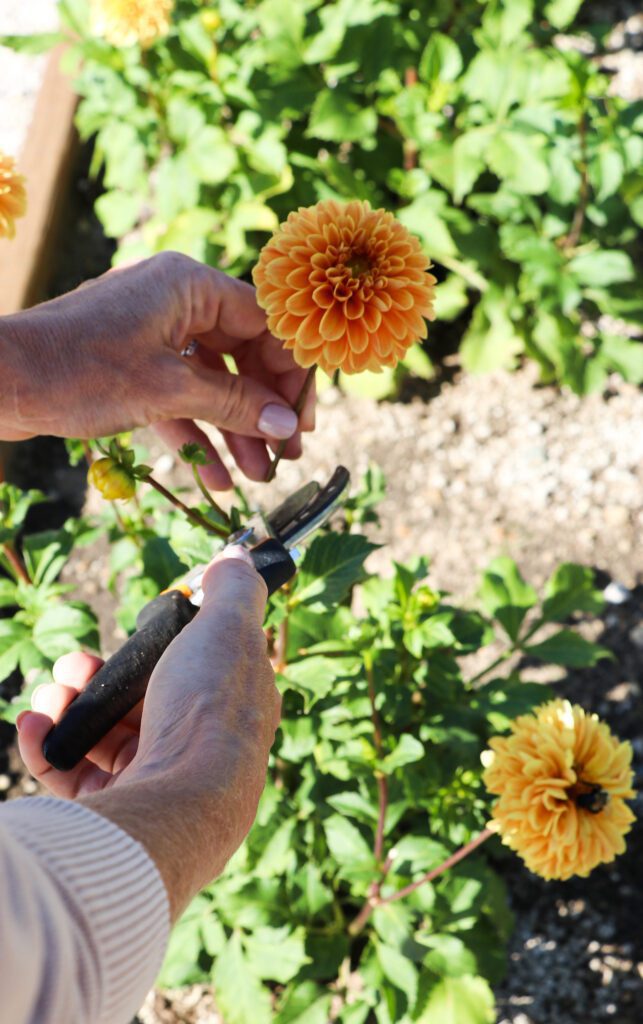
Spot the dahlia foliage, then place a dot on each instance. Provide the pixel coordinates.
(13, 196)
(345, 287)
(562, 780)
(127, 22)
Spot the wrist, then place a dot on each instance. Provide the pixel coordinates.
(30, 360)
(159, 812)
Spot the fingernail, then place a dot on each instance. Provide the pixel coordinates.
(235, 551)
(277, 421)
(20, 718)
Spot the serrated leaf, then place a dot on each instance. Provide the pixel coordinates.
(332, 564)
(336, 116)
(304, 1004)
(602, 268)
(407, 751)
(399, 970)
(568, 648)
(448, 956)
(315, 677)
(463, 1000)
(506, 596)
(239, 994)
(61, 629)
(345, 842)
(14, 636)
(571, 589)
(276, 954)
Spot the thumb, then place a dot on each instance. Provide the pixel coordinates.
(232, 582)
(238, 404)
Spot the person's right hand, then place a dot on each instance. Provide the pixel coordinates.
(191, 761)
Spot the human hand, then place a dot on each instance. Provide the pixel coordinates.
(106, 358)
(191, 758)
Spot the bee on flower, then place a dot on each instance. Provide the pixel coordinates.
(127, 22)
(345, 287)
(13, 196)
(562, 780)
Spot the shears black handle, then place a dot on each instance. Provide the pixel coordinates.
(122, 681)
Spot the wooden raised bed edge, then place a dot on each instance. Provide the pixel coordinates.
(46, 161)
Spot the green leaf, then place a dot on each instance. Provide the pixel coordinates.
(567, 648)
(417, 361)
(449, 955)
(407, 751)
(240, 996)
(331, 566)
(421, 852)
(506, 596)
(625, 355)
(344, 840)
(602, 268)
(210, 156)
(118, 212)
(61, 628)
(468, 156)
(491, 342)
(278, 855)
(304, 1004)
(7, 593)
(431, 633)
(39, 42)
(571, 589)
(463, 1000)
(441, 59)
(353, 805)
(14, 636)
(160, 562)
(399, 970)
(315, 677)
(561, 13)
(276, 954)
(375, 386)
(336, 116)
(516, 159)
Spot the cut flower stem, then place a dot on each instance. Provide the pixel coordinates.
(298, 406)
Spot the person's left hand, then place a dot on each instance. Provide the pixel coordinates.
(107, 357)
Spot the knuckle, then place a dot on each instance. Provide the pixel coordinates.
(232, 400)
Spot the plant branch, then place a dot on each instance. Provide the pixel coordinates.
(374, 899)
(208, 497)
(191, 513)
(573, 238)
(298, 406)
(382, 781)
(459, 855)
(15, 562)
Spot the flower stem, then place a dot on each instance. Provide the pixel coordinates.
(382, 781)
(375, 900)
(298, 406)
(15, 562)
(191, 513)
(208, 497)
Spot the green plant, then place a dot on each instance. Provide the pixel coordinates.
(42, 626)
(340, 898)
(506, 154)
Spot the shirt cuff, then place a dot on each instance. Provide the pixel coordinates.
(112, 888)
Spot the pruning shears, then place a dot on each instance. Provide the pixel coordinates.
(272, 540)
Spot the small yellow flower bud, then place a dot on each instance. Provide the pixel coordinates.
(111, 479)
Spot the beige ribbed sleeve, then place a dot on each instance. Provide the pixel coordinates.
(84, 917)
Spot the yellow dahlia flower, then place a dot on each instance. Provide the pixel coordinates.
(126, 22)
(13, 196)
(561, 779)
(345, 287)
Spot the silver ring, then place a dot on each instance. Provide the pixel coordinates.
(190, 349)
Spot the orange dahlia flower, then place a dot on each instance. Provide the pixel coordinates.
(126, 22)
(13, 196)
(562, 779)
(345, 286)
